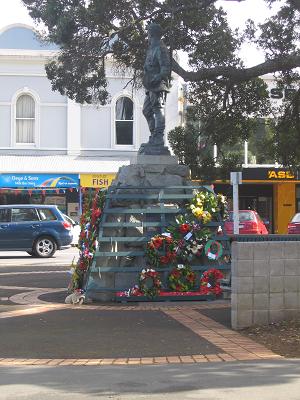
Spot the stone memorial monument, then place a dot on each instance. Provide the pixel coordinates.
(154, 170)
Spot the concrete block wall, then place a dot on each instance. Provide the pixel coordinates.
(265, 282)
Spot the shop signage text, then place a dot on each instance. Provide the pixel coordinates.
(280, 175)
(268, 174)
(38, 180)
(276, 93)
(96, 180)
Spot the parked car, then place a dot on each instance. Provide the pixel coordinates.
(38, 229)
(250, 223)
(294, 225)
(75, 229)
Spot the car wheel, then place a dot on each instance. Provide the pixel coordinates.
(44, 247)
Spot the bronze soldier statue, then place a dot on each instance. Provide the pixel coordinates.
(156, 80)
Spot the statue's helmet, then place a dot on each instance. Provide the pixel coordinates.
(155, 29)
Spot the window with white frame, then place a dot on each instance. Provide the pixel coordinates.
(124, 121)
(25, 119)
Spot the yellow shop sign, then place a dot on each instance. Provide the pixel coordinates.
(280, 175)
(96, 180)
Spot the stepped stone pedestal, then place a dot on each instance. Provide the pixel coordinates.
(148, 172)
(153, 171)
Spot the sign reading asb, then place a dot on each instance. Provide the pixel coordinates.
(38, 180)
(275, 174)
(268, 174)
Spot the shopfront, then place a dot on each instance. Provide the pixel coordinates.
(89, 183)
(58, 189)
(273, 192)
(96, 180)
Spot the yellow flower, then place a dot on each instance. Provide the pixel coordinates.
(206, 217)
(198, 212)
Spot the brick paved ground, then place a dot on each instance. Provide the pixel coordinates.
(58, 334)
(39, 329)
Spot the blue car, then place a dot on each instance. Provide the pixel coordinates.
(38, 229)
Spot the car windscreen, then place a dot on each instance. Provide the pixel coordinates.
(296, 218)
(243, 216)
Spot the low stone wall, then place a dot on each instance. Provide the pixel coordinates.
(265, 282)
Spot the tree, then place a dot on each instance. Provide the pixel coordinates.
(226, 96)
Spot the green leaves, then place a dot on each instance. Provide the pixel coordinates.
(227, 97)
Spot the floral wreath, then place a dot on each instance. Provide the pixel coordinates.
(149, 282)
(87, 243)
(213, 250)
(161, 250)
(189, 238)
(182, 278)
(210, 281)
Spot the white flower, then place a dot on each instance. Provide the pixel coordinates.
(180, 266)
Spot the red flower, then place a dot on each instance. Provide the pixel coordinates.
(157, 242)
(178, 288)
(217, 289)
(168, 240)
(164, 259)
(97, 212)
(184, 228)
(190, 277)
(82, 266)
(175, 273)
(204, 290)
(171, 255)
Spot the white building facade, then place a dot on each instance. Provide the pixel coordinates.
(44, 133)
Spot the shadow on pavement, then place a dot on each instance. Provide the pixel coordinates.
(222, 381)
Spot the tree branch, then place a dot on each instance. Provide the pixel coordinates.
(295, 4)
(239, 74)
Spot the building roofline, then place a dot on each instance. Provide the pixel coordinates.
(18, 25)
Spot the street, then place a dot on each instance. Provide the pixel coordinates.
(23, 279)
(110, 351)
(16, 259)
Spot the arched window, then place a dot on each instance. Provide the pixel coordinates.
(25, 119)
(124, 121)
